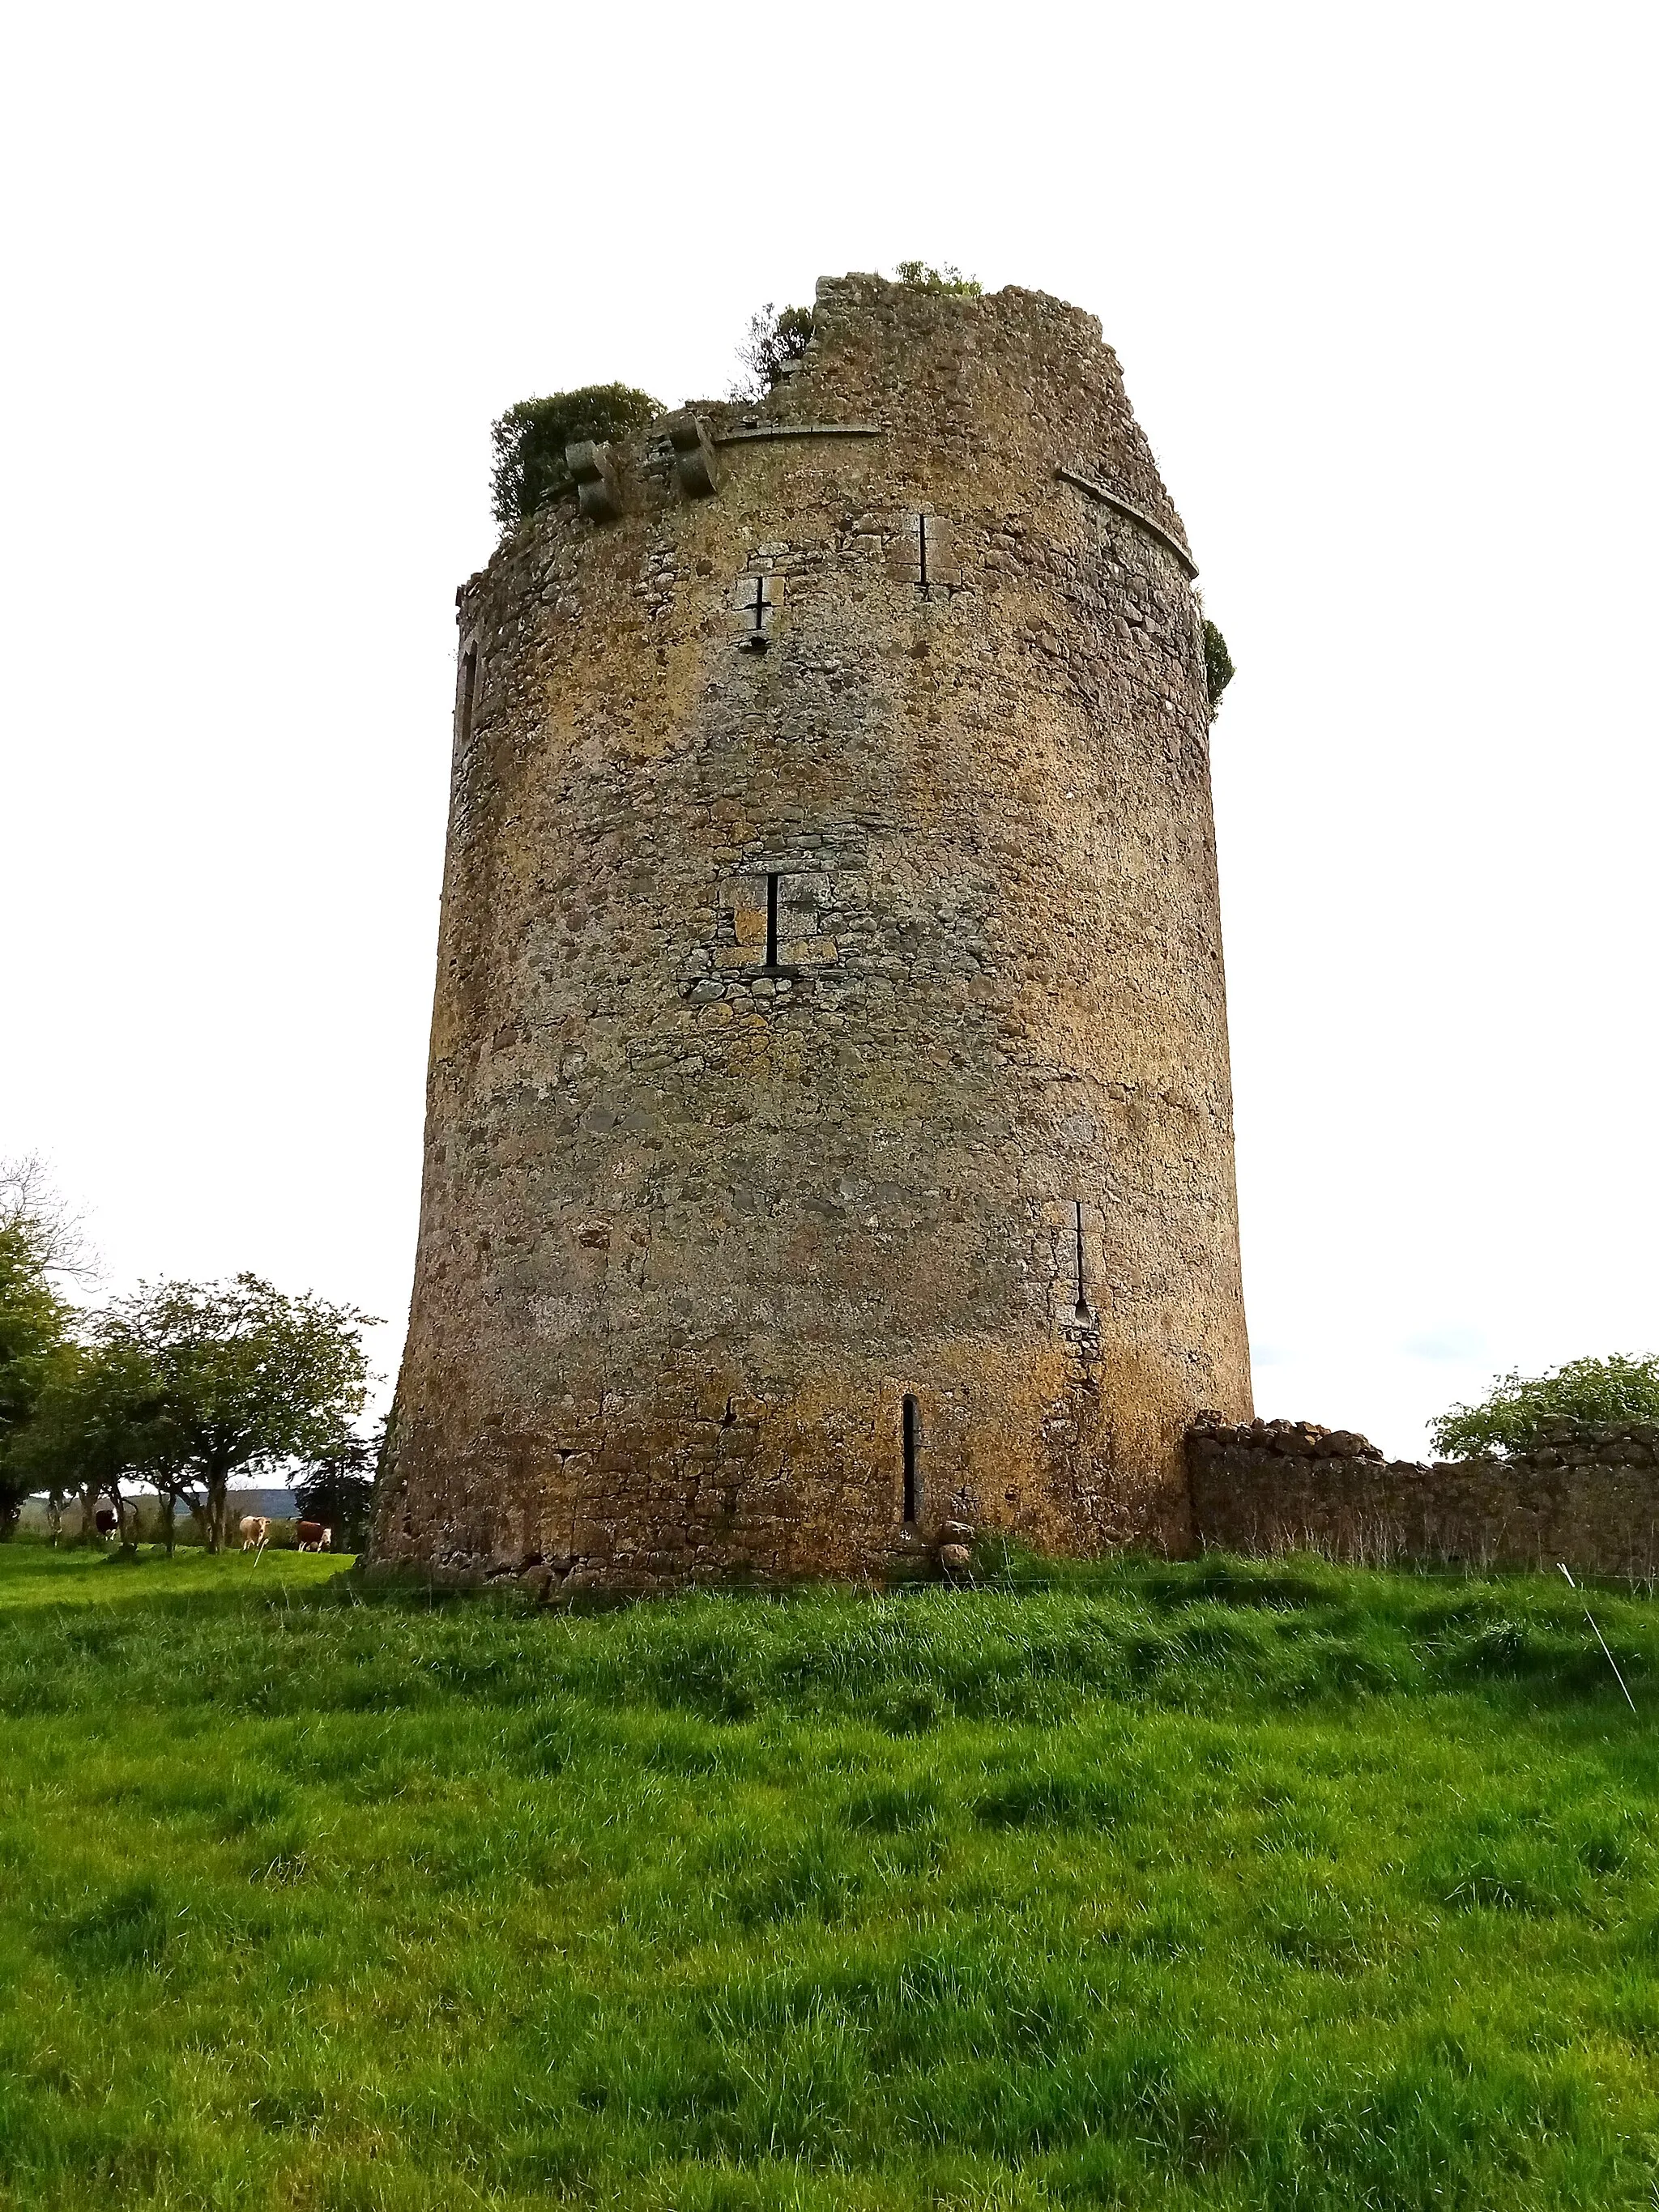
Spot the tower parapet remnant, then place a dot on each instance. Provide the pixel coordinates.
(828, 1130)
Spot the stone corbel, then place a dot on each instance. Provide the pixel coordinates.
(696, 465)
(598, 494)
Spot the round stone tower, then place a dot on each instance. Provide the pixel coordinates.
(828, 1125)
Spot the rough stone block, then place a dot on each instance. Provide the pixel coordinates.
(939, 553)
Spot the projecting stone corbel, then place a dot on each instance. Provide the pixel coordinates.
(696, 465)
(597, 491)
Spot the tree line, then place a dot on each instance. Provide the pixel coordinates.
(179, 1387)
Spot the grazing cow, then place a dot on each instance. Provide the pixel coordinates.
(106, 1521)
(255, 1532)
(312, 1536)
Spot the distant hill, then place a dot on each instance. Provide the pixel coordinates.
(278, 1504)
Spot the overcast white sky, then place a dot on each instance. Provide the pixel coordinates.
(1382, 280)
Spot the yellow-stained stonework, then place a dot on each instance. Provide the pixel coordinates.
(829, 958)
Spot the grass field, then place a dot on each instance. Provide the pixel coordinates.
(1213, 1885)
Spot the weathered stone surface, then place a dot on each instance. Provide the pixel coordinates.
(718, 1174)
(1587, 1498)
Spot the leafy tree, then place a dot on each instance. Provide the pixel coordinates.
(40, 1241)
(1219, 670)
(339, 1489)
(34, 1321)
(777, 337)
(250, 1377)
(50, 1229)
(135, 1429)
(101, 1420)
(1518, 1409)
(920, 276)
(530, 439)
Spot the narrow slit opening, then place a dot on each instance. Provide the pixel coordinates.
(771, 921)
(468, 686)
(921, 547)
(1082, 1306)
(910, 1432)
(756, 640)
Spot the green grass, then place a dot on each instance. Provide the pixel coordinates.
(1215, 1884)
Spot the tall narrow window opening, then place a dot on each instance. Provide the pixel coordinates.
(468, 686)
(910, 1429)
(921, 547)
(771, 921)
(756, 601)
(1082, 1307)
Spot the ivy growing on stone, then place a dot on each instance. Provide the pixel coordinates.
(528, 442)
(1219, 670)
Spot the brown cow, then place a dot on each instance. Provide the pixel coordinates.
(312, 1536)
(254, 1529)
(106, 1521)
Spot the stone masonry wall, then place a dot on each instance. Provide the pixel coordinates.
(1586, 1497)
(830, 1126)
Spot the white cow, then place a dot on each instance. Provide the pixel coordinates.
(255, 1532)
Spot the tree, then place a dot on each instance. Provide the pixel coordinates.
(529, 441)
(34, 1324)
(1518, 1409)
(251, 1378)
(101, 1420)
(338, 1488)
(54, 1232)
(39, 1240)
(777, 337)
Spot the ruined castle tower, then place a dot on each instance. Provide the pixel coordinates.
(829, 1128)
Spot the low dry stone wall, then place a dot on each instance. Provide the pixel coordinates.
(1586, 1497)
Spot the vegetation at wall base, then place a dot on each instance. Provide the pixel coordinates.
(1212, 1885)
(527, 443)
(1520, 1410)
